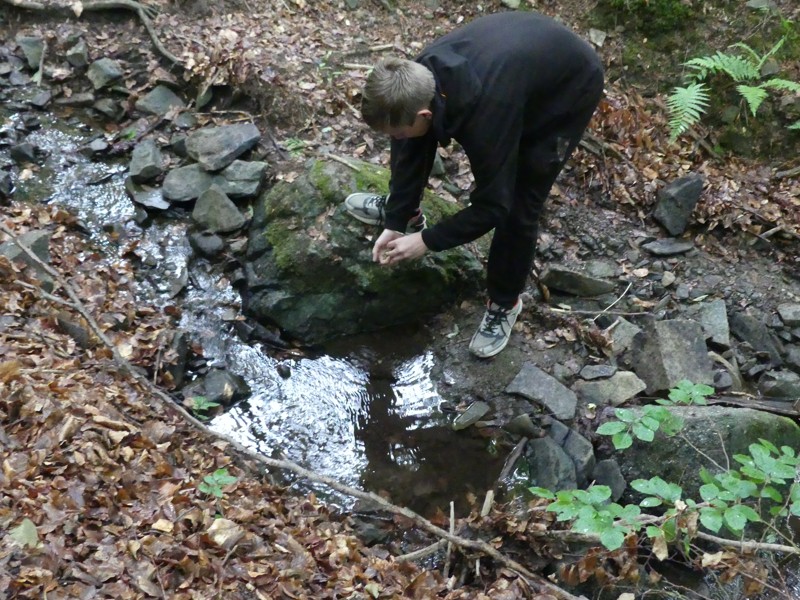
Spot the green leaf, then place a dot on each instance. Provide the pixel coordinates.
(771, 493)
(766, 443)
(222, 478)
(622, 441)
(599, 494)
(645, 486)
(650, 502)
(612, 538)
(625, 414)
(735, 518)
(643, 433)
(653, 532)
(542, 492)
(711, 519)
(611, 428)
(749, 513)
(709, 491)
(25, 534)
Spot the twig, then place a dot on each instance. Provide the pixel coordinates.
(606, 309)
(381, 47)
(538, 582)
(422, 552)
(448, 561)
(569, 311)
(343, 161)
(748, 547)
(357, 66)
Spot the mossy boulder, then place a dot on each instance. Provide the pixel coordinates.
(309, 264)
(714, 433)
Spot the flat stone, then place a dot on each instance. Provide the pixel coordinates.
(668, 247)
(159, 101)
(790, 314)
(216, 212)
(616, 390)
(216, 147)
(104, 72)
(474, 413)
(146, 162)
(186, 183)
(575, 283)
(676, 201)
(597, 371)
(146, 196)
(534, 384)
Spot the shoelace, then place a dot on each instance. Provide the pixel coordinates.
(378, 201)
(495, 317)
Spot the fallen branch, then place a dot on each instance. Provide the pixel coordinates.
(144, 12)
(538, 582)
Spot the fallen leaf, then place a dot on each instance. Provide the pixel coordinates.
(225, 533)
(25, 534)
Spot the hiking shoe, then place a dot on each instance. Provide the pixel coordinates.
(495, 330)
(370, 209)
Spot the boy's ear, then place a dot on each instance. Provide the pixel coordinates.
(425, 113)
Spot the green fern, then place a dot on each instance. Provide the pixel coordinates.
(686, 105)
(735, 67)
(753, 95)
(782, 84)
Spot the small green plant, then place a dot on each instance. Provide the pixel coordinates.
(295, 146)
(686, 392)
(213, 484)
(201, 405)
(642, 426)
(688, 104)
(730, 499)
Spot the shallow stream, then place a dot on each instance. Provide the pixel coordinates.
(363, 410)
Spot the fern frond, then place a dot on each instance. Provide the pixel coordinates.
(756, 56)
(782, 84)
(795, 126)
(686, 105)
(754, 95)
(736, 67)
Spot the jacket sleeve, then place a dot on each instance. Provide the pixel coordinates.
(411, 164)
(492, 146)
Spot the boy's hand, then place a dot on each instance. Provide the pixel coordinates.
(393, 247)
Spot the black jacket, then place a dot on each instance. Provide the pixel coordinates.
(502, 82)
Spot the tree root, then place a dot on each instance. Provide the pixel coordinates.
(145, 13)
(537, 582)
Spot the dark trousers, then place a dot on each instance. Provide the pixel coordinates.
(539, 163)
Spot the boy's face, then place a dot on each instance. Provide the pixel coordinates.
(419, 128)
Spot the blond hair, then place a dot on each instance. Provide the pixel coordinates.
(395, 91)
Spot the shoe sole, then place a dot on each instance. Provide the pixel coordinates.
(366, 220)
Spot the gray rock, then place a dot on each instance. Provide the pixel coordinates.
(241, 179)
(670, 351)
(616, 390)
(159, 101)
(601, 268)
(549, 465)
(104, 72)
(23, 153)
(607, 472)
(590, 372)
(185, 120)
(752, 330)
(575, 283)
(780, 385)
(41, 99)
(215, 211)
(109, 108)
(309, 264)
(78, 55)
(206, 244)
(534, 384)
(713, 433)
(146, 196)
(81, 99)
(32, 47)
(676, 201)
(39, 243)
(523, 425)
(713, 316)
(474, 413)
(790, 314)
(622, 335)
(577, 447)
(146, 162)
(224, 387)
(217, 147)
(668, 247)
(186, 183)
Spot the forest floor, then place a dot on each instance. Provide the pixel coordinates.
(101, 480)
